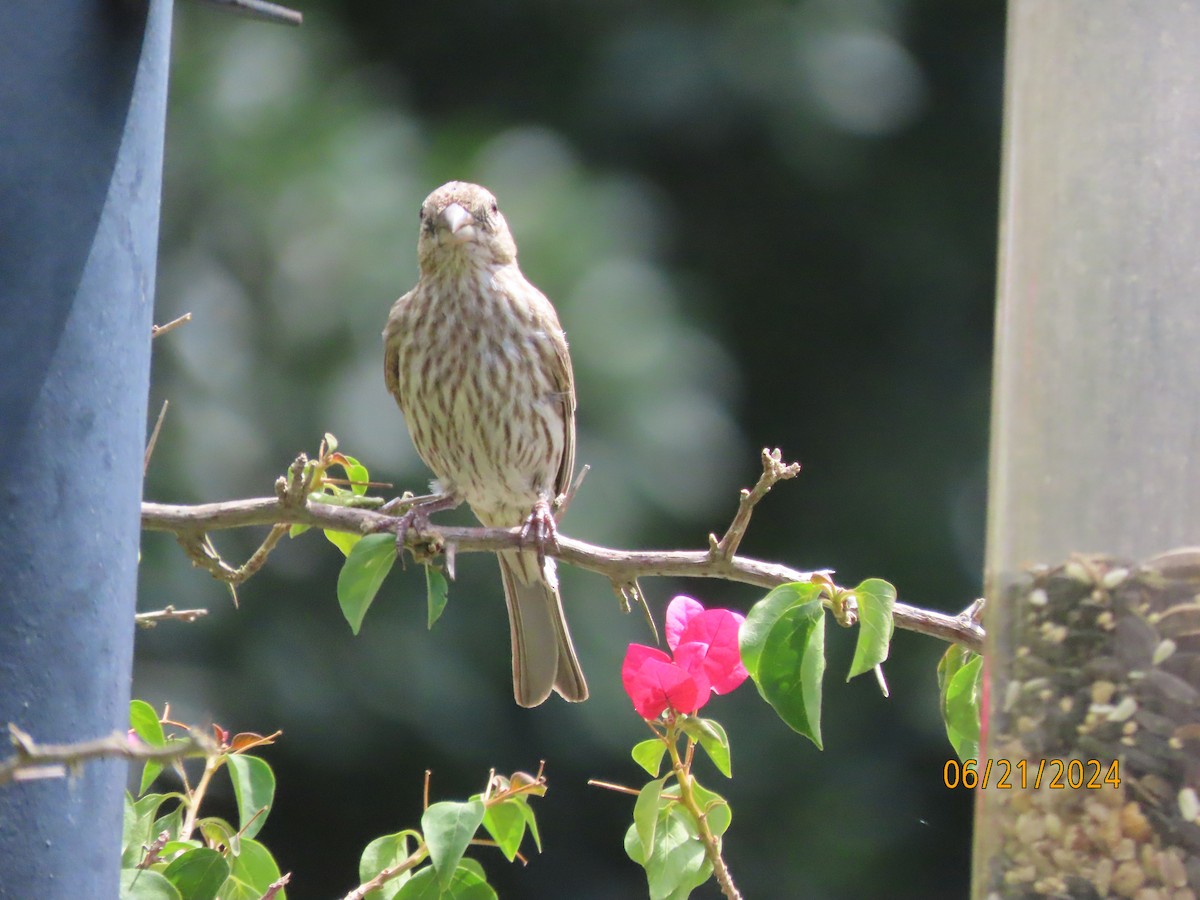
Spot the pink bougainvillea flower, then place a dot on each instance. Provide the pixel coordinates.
(654, 681)
(689, 621)
(680, 611)
(706, 661)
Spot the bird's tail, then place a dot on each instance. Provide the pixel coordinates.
(542, 653)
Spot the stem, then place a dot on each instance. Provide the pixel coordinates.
(385, 875)
(32, 760)
(712, 848)
(195, 796)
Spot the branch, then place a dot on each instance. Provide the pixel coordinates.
(168, 614)
(774, 470)
(33, 760)
(190, 525)
(385, 875)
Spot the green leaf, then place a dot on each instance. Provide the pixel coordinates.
(150, 771)
(172, 849)
(506, 824)
(715, 808)
(465, 884)
(343, 540)
(792, 666)
(678, 865)
(235, 888)
(298, 529)
(198, 874)
(645, 813)
(960, 674)
(472, 866)
(649, 755)
(254, 870)
(254, 787)
(876, 599)
(362, 573)
(331, 443)
(383, 853)
(144, 722)
(448, 828)
(333, 495)
(217, 832)
(143, 884)
(437, 591)
(766, 612)
(715, 742)
(171, 823)
(531, 821)
(356, 472)
(139, 819)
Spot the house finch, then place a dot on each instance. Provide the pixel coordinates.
(478, 363)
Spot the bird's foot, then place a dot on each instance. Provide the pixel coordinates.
(416, 516)
(541, 530)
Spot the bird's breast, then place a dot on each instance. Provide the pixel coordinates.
(478, 390)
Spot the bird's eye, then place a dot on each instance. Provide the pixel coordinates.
(495, 210)
(421, 214)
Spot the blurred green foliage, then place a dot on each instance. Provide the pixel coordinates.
(762, 223)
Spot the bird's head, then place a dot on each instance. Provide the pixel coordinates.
(461, 227)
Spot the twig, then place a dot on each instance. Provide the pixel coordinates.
(162, 414)
(200, 549)
(276, 886)
(262, 10)
(160, 330)
(609, 786)
(195, 796)
(33, 760)
(385, 875)
(168, 614)
(564, 502)
(774, 470)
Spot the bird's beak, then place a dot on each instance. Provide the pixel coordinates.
(456, 218)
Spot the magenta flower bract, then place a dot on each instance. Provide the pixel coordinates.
(706, 660)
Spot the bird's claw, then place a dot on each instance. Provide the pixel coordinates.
(539, 529)
(417, 516)
(413, 517)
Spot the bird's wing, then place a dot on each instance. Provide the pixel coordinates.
(391, 348)
(565, 379)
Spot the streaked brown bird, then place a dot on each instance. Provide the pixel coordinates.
(478, 363)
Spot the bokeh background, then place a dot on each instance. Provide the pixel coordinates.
(763, 223)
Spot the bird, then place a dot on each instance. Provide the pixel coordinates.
(477, 361)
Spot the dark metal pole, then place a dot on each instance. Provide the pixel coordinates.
(82, 106)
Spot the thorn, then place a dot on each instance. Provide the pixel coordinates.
(883, 685)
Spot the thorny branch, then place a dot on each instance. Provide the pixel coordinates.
(33, 760)
(294, 505)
